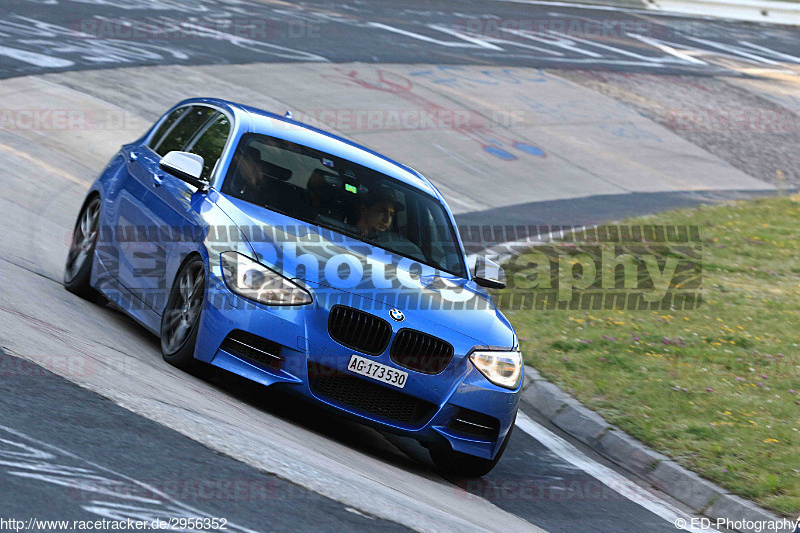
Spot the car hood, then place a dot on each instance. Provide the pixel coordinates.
(332, 265)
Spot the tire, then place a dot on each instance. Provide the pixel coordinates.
(78, 270)
(181, 319)
(464, 465)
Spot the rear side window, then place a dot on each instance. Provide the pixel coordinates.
(210, 143)
(184, 129)
(166, 125)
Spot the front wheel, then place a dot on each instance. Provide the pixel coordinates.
(464, 465)
(181, 318)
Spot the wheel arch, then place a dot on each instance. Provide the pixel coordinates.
(90, 196)
(172, 274)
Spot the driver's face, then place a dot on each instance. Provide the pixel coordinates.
(378, 216)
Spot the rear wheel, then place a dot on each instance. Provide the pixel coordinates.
(181, 318)
(78, 269)
(464, 465)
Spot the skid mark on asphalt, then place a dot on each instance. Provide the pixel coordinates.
(620, 125)
(496, 143)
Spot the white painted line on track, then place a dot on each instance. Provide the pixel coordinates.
(99, 481)
(583, 6)
(503, 251)
(39, 60)
(640, 11)
(605, 475)
(664, 47)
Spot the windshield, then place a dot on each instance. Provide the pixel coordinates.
(337, 194)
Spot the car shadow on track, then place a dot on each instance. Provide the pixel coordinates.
(303, 413)
(404, 453)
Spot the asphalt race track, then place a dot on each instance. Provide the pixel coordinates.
(67, 35)
(589, 118)
(182, 477)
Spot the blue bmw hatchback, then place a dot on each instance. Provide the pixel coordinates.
(298, 259)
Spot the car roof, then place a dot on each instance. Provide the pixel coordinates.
(255, 120)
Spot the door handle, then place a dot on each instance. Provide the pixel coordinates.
(157, 180)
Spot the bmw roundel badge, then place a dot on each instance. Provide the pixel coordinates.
(397, 315)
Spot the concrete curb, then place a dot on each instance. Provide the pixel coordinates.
(771, 11)
(700, 495)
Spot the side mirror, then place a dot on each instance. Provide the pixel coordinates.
(488, 274)
(185, 166)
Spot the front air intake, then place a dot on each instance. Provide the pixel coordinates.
(253, 348)
(367, 397)
(474, 424)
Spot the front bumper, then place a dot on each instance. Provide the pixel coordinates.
(430, 408)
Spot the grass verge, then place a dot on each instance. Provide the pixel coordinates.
(716, 388)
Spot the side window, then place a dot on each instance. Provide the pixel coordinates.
(210, 144)
(166, 125)
(183, 131)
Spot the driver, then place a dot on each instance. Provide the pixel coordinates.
(376, 215)
(250, 183)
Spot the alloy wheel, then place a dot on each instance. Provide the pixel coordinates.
(184, 309)
(83, 239)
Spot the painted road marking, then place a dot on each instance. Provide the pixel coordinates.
(593, 7)
(469, 42)
(40, 60)
(605, 475)
(25, 460)
(665, 47)
(436, 35)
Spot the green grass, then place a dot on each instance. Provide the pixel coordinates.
(709, 387)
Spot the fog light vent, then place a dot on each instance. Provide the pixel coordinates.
(253, 348)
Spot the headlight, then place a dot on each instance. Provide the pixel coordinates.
(252, 280)
(501, 368)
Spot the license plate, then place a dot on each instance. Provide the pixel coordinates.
(377, 371)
